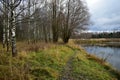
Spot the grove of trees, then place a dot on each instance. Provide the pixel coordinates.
(40, 20)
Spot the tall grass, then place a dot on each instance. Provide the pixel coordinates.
(13, 68)
(38, 61)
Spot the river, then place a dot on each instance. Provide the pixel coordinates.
(111, 54)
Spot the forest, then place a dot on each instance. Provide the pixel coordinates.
(40, 20)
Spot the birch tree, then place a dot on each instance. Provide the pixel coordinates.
(4, 8)
(7, 26)
(4, 26)
(13, 5)
(9, 7)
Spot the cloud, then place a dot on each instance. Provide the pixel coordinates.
(115, 27)
(109, 20)
(105, 14)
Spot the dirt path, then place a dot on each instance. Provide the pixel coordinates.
(67, 73)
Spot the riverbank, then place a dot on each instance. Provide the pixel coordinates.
(115, 42)
(50, 61)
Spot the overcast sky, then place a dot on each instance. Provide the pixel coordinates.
(105, 14)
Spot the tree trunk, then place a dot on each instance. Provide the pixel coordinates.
(29, 23)
(13, 30)
(8, 34)
(4, 36)
(54, 22)
(4, 26)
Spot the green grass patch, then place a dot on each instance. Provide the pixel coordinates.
(85, 68)
(45, 64)
(47, 61)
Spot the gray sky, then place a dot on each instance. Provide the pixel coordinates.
(105, 14)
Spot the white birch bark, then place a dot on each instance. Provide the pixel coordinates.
(4, 36)
(13, 29)
(7, 27)
(4, 26)
(8, 34)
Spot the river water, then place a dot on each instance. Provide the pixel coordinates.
(111, 54)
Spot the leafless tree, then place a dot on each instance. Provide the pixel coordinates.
(76, 15)
(43, 20)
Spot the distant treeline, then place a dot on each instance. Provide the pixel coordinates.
(97, 35)
(107, 35)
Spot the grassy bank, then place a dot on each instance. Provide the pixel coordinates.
(100, 42)
(50, 62)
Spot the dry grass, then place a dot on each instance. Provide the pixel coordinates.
(24, 46)
(93, 57)
(94, 41)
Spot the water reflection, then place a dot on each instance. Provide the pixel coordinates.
(111, 54)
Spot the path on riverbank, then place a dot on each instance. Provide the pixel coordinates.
(67, 73)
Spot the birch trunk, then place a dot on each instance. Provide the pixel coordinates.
(8, 34)
(7, 28)
(4, 26)
(13, 30)
(4, 37)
